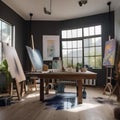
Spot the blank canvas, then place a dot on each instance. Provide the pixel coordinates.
(14, 63)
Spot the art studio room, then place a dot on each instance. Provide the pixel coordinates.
(59, 64)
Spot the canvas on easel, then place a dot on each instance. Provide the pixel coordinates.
(109, 56)
(14, 65)
(108, 62)
(35, 58)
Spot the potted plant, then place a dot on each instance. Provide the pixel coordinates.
(5, 76)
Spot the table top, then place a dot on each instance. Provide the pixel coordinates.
(63, 75)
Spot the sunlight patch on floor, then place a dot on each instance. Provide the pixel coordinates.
(83, 106)
(33, 95)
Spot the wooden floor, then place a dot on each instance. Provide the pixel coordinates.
(30, 108)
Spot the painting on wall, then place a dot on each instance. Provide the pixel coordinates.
(35, 58)
(51, 47)
(109, 56)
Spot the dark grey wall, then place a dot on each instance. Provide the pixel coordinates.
(20, 30)
(40, 28)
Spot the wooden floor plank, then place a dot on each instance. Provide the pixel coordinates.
(33, 109)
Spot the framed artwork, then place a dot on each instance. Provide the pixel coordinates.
(51, 47)
(109, 56)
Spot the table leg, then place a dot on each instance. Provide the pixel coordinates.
(79, 97)
(41, 89)
(47, 86)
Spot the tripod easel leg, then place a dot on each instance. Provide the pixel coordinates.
(113, 90)
(108, 87)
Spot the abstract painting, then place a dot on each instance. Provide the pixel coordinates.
(35, 58)
(51, 47)
(109, 56)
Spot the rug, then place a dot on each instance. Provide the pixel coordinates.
(62, 101)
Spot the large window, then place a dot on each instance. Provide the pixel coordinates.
(83, 45)
(5, 35)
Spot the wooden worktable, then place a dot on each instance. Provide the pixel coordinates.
(78, 76)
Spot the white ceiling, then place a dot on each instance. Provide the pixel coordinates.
(61, 9)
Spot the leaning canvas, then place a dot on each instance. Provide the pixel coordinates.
(35, 58)
(14, 63)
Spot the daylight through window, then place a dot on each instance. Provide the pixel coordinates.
(82, 45)
(5, 35)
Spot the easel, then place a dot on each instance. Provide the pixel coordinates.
(15, 69)
(109, 66)
(108, 87)
(20, 88)
(32, 80)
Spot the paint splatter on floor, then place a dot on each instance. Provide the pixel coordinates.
(62, 101)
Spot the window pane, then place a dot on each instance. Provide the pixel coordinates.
(86, 51)
(64, 44)
(92, 51)
(64, 62)
(80, 44)
(86, 33)
(64, 34)
(86, 60)
(91, 30)
(69, 34)
(92, 42)
(69, 53)
(70, 62)
(98, 50)
(69, 44)
(74, 44)
(74, 33)
(79, 32)
(98, 62)
(86, 42)
(80, 52)
(80, 60)
(5, 36)
(74, 62)
(6, 33)
(92, 62)
(98, 41)
(64, 52)
(74, 52)
(98, 30)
